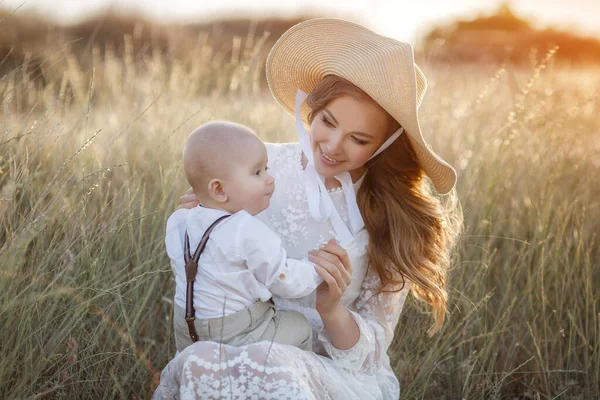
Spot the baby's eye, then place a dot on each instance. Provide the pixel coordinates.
(257, 172)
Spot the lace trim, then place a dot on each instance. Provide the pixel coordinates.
(352, 359)
(333, 190)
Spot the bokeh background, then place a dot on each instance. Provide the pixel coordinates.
(97, 98)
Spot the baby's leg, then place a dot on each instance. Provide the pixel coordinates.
(290, 327)
(260, 322)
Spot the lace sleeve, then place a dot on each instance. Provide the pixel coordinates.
(272, 151)
(376, 316)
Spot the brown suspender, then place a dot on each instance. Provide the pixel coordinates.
(191, 269)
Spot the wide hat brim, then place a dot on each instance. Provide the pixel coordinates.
(382, 67)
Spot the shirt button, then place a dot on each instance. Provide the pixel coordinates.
(281, 276)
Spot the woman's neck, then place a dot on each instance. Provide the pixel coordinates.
(332, 183)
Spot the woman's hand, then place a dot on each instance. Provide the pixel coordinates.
(333, 264)
(188, 200)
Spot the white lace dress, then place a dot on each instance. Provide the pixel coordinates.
(208, 370)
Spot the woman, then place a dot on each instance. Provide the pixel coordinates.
(359, 177)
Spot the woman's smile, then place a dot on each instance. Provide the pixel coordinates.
(328, 160)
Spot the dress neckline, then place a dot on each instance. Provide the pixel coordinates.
(334, 190)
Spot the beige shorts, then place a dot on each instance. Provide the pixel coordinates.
(259, 322)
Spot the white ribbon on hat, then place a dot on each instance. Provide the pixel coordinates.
(320, 204)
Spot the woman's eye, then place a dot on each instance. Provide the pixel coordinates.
(326, 122)
(357, 140)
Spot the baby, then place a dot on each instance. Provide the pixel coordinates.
(229, 297)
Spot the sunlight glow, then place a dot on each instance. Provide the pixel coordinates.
(401, 19)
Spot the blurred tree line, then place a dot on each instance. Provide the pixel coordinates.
(35, 46)
(504, 37)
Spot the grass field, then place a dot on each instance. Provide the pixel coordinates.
(90, 170)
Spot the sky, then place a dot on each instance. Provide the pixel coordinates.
(400, 19)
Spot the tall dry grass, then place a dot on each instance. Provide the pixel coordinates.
(90, 170)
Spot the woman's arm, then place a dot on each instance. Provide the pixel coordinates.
(333, 264)
(341, 328)
(376, 316)
(356, 339)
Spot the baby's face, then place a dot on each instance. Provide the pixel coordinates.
(249, 185)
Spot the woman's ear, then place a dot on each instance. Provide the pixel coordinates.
(217, 191)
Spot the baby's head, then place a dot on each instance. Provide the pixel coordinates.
(226, 165)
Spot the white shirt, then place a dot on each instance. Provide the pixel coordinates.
(243, 262)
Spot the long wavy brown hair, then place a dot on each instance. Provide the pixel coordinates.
(412, 231)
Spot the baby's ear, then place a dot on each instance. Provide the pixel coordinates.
(217, 191)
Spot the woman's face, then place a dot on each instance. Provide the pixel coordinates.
(345, 134)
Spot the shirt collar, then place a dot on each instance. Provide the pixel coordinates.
(200, 218)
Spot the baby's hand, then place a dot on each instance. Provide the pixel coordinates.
(188, 200)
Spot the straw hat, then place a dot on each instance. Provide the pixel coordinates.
(382, 67)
